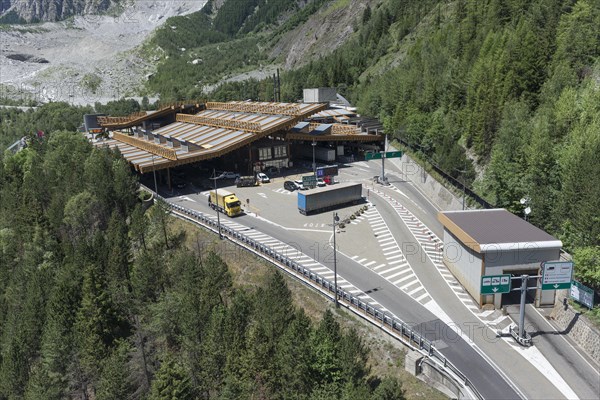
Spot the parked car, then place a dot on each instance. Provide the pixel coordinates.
(290, 185)
(272, 170)
(246, 181)
(300, 185)
(229, 175)
(263, 178)
(320, 182)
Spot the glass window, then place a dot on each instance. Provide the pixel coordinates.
(280, 151)
(264, 153)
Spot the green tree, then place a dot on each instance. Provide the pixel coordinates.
(114, 379)
(389, 389)
(171, 382)
(325, 343)
(587, 265)
(99, 323)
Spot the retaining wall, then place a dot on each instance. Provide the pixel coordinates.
(435, 191)
(577, 327)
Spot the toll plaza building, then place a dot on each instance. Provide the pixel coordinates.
(481, 243)
(250, 136)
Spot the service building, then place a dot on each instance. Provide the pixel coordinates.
(480, 243)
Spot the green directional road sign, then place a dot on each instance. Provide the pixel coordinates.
(495, 284)
(393, 154)
(373, 156)
(582, 294)
(309, 181)
(388, 154)
(557, 275)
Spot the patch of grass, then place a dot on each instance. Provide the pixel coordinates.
(91, 82)
(337, 5)
(592, 315)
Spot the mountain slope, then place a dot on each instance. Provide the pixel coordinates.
(507, 87)
(54, 10)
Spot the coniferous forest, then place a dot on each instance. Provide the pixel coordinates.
(500, 94)
(101, 299)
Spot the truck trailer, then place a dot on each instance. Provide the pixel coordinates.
(322, 199)
(225, 201)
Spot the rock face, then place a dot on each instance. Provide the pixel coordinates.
(54, 10)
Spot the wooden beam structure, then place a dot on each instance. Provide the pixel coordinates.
(220, 123)
(211, 133)
(150, 147)
(269, 108)
(137, 118)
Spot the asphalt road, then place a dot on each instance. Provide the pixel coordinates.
(485, 355)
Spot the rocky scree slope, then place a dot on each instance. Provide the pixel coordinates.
(55, 10)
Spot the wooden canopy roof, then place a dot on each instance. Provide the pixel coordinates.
(217, 130)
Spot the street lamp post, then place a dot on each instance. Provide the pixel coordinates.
(217, 207)
(314, 144)
(335, 221)
(525, 202)
(463, 182)
(154, 172)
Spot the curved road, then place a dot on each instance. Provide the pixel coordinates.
(478, 345)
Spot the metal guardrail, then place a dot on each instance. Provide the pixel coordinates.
(393, 325)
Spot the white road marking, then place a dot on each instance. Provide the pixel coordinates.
(389, 253)
(389, 270)
(396, 274)
(396, 262)
(414, 291)
(369, 263)
(409, 284)
(403, 279)
(421, 297)
(187, 198)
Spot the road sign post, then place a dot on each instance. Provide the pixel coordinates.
(520, 335)
(309, 181)
(557, 275)
(495, 284)
(382, 155)
(582, 294)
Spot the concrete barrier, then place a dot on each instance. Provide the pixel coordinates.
(434, 190)
(577, 327)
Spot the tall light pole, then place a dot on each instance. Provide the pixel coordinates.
(154, 172)
(214, 178)
(314, 144)
(335, 221)
(525, 202)
(462, 180)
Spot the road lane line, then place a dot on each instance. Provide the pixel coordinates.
(369, 263)
(404, 279)
(397, 274)
(389, 270)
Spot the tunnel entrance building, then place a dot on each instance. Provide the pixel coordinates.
(481, 243)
